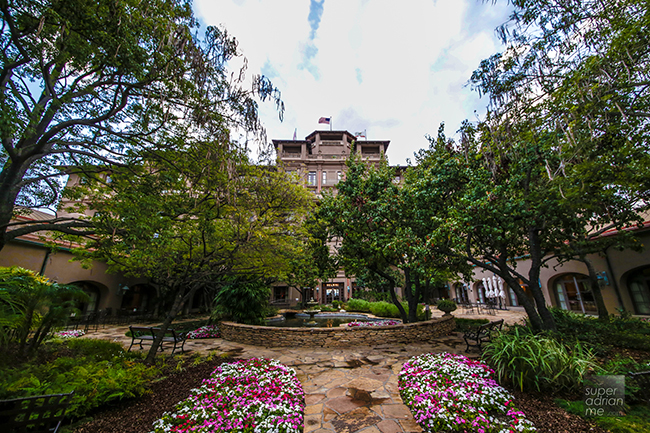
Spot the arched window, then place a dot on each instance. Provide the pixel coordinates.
(93, 297)
(461, 293)
(480, 291)
(639, 284)
(572, 292)
(513, 297)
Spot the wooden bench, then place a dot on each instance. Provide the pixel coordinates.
(475, 337)
(39, 414)
(146, 335)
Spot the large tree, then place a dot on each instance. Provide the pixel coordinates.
(574, 77)
(193, 218)
(87, 82)
(510, 193)
(379, 232)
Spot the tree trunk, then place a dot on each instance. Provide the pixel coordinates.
(603, 314)
(393, 295)
(414, 298)
(11, 175)
(535, 320)
(402, 312)
(536, 255)
(179, 300)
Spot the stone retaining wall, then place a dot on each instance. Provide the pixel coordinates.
(271, 336)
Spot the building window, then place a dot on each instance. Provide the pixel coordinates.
(480, 290)
(339, 175)
(324, 178)
(462, 296)
(280, 294)
(639, 284)
(332, 292)
(513, 297)
(573, 293)
(311, 178)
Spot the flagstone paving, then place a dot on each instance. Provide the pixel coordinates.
(347, 390)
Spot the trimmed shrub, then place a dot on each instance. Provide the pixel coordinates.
(384, 309)
(360, 305)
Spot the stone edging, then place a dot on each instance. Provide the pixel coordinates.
(271, 336)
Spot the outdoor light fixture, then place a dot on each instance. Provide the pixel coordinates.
(602, 278)
(122, 288)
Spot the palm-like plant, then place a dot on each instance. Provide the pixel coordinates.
(30, 304)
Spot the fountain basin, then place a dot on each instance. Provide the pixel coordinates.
(318, 320)
(271, 336)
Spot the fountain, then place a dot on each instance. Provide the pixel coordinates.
(311, 311)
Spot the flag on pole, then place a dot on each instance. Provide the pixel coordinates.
(360, 134)
(295, 133)
(325, 120)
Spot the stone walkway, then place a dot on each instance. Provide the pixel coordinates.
(346, 389)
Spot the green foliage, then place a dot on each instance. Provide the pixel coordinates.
(383, 235)
(564, 146)
(32, 306)
(446, 305)
(621, 365)
(244, 300)
(189, 218)
(384, 309)
(360, 305)
(387, 309)
(636, 419)
(98, 371)
(623, 332)
(538, 362)
(372, 296)
(337, 304)
(78, 97)
(271, 311)
(463, 325)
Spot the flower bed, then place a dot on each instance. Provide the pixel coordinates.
(254, 395)
(452, 393)
(208, 331)
(375, 323)
(70, 334)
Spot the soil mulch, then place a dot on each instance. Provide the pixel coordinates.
(138, 415)
(549, 417)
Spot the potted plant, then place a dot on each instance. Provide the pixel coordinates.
(447, 306)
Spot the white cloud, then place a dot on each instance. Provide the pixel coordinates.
(394, 69)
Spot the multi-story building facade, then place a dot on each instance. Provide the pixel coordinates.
(319, 161)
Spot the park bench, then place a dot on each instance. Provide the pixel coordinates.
(146, 335)
(39, 414)
(475, 337)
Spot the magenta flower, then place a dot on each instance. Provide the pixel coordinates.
(448, 392)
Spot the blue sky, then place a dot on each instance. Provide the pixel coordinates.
(394, 69)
